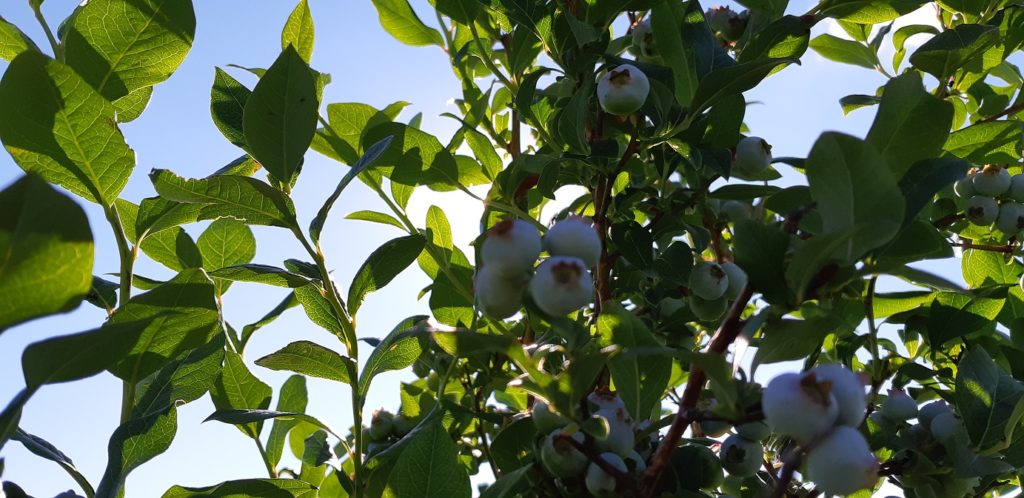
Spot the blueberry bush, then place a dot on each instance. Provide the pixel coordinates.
(610, 352)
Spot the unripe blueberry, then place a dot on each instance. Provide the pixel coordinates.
(381, 425)
(993, 180)
(799, 406)
(754, 431)
(599, 482)
(726, 24)
(623, 90)
(735, 211)
(403, 425)
(965, 187)
(708, 280)
(741, 456)
(604, 399)
(1011, 218)
(707, 310)
(982, 210)
(643, 39)
(620, 438)
(928, 412)
(546, 419)
(497, 296)
(559, 457)
(562, 285)
(945, 428)
(899, 406)
(737, 279)
(848, 390)
(575, 237)
(375, 447)
(753, 155)
(697, 467)
(842, 463)
(635, 462)
(1017, 188)
(511, 247)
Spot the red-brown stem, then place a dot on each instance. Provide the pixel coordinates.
(724, 336)
(602, 199)
(1013, 109)
(1007, 249)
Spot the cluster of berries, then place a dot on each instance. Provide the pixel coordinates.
(712, 286)
(560, 453)
(983, 188)
(561, 283)
(385, 429)
(821, 409)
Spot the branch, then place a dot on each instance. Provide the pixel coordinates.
(789, 467)
(1009, 111)
(724, 336)
(602, 199)
(1006, 249)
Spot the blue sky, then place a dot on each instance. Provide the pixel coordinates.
(176, 132)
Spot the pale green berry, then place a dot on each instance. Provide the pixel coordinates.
(965, 187)
(992, 180)
(599, 482)
(737, 279)
(623, 90)
(753, 155)
(707, 310)
(848, 390)
(1011, 218)
(497, 296)
(559, 457)
(799, 406)
(754, 431)
(1017, 188)
(620, 437)
(899, 406)
(511, 248)
(643, 39)
(946, 428)
(562, 285)
(603, 399)
(842, 463)
(982, 210)
(735, 211)
(575, 237)
(741, 456)
(381, 425)
(928, 412)
(547, 419)
(708, 280)
(726, 24)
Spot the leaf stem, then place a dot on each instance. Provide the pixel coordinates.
(271, 471)
(58, 52)
(127, 256)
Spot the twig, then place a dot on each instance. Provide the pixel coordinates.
(602, 199)
(724, 336)
(792, 462)
(1006, 249)
(622, 479)
(1009, 111)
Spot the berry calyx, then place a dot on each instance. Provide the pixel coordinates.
(842, 463)
(848, 389)
(982, 210)
(562, 285)
(497, 296)
(993, 180)
(604, 399)
(800, 406)
(623, 90)
(560, 457)
(708, 280)
(511, 247)
(575, 237)
(741, 456)
(753, 155)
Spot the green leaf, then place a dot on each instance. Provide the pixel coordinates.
(666, 21)
(899, 40)
(983, 268)
(226, 242)
(372, 154)
(953, 49)
(241, 417)
(784, 340)
(280, 116)
(134, 443)
(398, 350)
(310, 359)
(460, 11)
(56, 126)
(414, 157)
(870, 11)
(246, 199)
(287, 303)
(13, 41)
(238, 389)
(190, 376)
(761, 251)
(911, 124)
(248, 488)
(989, 400)
(47, 252)
(41, 447)
(851, 103)
(155, 214)
(152, 39)
(319, 309)
(398, 19)
(172, 248)
(988, 142)
(131, 106)
(953, 315)
(77, 356)
(382, 266)
(298, 31)
(103, 294)
(184, 316)
(428, 466)
(343, 142)
(852, 186)
(292, 398)
(639, 381)
(926, 178)
(227, 106)
(845, 51)
(732, 80)
(261, 274)
(787, 37)
(375, 217)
